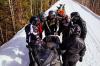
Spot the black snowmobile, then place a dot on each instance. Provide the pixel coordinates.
(46, 52)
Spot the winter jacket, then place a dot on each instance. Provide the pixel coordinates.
(40, 29)
(82, 24)
(65, 29)
(31, 33)
(76, 49)
(50, 26)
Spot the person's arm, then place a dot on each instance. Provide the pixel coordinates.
(56, 25)
(60, 28)
(84, 31)
(27, 36)
(82, 53)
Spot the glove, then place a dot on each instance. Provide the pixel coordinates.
(80, 59)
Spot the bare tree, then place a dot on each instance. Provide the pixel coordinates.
(6, 33)
(31, 6)
(12, 15)
(1, 35)
(41, 6)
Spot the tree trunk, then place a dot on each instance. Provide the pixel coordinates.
(20, 12)
(1, 35)
(31, 7)
(12, 15)
(6, 33)
(41, 6)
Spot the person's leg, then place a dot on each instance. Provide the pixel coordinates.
(32, 63)
(64, 59)
(36, 57)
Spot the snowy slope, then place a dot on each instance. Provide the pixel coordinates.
(14, 52)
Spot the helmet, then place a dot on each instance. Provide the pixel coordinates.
(74, 14)
(42, 16)
(76, 30)
(60, 12)
(52, 13)
(34, 20)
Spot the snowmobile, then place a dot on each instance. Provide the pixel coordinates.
(46, 53)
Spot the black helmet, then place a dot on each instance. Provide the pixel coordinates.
(74, 14)
(34, 20)
(76, 30)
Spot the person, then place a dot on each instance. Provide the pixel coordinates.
(32, 36)
(60, 10)
(61, 17)
(41, 21)
(60, 13)
(50, 25)
(65, 29)
(76, 19)
(76, 49)
(42, 17)
(31, 30)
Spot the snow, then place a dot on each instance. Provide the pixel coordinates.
(15, 53)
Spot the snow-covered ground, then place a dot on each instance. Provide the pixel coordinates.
(15, 53)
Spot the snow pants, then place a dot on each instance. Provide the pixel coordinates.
(33, 56)
(66, 61)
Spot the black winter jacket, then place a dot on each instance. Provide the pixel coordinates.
(82, 24)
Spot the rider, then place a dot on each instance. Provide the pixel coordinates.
(31, 30)
(76, 49)
(65, 29)
(76, 19)
(32, 36)
(41, 21)
(50, 25)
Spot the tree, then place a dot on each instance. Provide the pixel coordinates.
(12, 15)
(94, 5)
(1, 35)
(31, 6)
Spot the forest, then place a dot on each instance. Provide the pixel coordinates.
(94, 5)
(14, 15)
